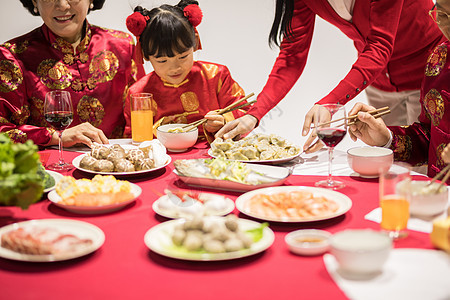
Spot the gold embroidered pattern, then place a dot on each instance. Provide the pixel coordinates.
(17, 135)
(439, 161)
(436, 61)
(90, 110)
(103, 68)
(219, 86)
(189, 101)
(210, 70)
(16, 48)
(3, 121)
(434, 106)
(10, 76)
(54, 75)
(402, 147)
(37, 112)
(20, 116)
(237, 91)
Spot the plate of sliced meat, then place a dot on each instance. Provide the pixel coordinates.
(49, 240)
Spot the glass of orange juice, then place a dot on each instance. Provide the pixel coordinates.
(141, 117)
(394, 199)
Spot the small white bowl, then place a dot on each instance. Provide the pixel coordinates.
(425, 202)
(176, 141)
(308, 241)
(369, 161)
(360, 251)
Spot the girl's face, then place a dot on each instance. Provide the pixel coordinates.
(173, 69)
(444, 25)
(64, 18)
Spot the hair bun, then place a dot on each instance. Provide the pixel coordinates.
(194, 14)
(136, 23)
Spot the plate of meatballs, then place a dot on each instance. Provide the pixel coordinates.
(119, 160)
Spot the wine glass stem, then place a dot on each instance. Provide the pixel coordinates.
(330, 159)
(61, 158)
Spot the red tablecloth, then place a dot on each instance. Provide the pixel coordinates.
(124, 268)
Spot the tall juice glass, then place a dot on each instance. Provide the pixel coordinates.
(395, 194)
(141, 117)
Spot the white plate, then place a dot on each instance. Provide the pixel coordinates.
(173, 214)
(76, 164)
(80, 229)
(280, 174)
(57, 176)
(342, 201)
(158, 239)
(55, 198)
(267, 161)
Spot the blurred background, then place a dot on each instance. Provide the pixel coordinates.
(235, 33)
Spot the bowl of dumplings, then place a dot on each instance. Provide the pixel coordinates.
(111, 159)
(175, 138)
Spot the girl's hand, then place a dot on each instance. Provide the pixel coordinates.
(369, 130)
(215, 121)
(83, 133)
(446, 154)
(237, 127)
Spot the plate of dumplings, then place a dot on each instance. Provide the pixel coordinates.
(257, 148)
(122, 160)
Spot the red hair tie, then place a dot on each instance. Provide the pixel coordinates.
(194, 14)
(136, 24)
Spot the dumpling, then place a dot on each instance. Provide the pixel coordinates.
(236, 155)
(221, 144)
(144, 164)
(123, 165)
(218, 153)
(88, 162)
(250, 152)
(135, 155)
(104, 165)
(99, 151)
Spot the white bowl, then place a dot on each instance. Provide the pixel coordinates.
(360, 251)
(176, 141)
(425, 202)
(369, 161)
(308, 241)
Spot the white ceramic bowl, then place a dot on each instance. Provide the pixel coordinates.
(360, 251)
(176, 141)
(425, 202)
(369, 161)
(308, 241)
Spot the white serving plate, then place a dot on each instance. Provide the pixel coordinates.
(158, 239)
(280, 174)
(344, 203)
(173, 214)
(76, 164)
(80, 229)
(57, 176)
(267, 161)
(55, 198)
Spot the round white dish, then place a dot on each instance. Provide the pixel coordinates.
(80, 229)
(158, 239)
(177, 213)
(57, 176)
(344, 202)
(308, 241)
(55, 198)
(76, 164)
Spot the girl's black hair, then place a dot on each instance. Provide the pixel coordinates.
(28, 4)
(168, 31)
(281, 26)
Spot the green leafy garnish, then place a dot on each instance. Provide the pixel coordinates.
(20, 185)
(257, 233)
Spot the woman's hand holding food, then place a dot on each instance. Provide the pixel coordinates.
(237, 127)
(370, 130)
(84, 133)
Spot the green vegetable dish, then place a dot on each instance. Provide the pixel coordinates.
(20, 183)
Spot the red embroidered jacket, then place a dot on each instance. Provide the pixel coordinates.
(393, 40)
(97, 77)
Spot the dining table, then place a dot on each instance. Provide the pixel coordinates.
(125, 268)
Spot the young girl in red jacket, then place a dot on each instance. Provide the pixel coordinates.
(183, 90)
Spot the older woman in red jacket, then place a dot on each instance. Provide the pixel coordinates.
(393, 40)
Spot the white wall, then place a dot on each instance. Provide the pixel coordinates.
(234, 33)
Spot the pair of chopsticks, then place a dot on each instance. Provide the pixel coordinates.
(351, 120)
(229, 108)
(439, 175)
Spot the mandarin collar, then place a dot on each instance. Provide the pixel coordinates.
(61, 44)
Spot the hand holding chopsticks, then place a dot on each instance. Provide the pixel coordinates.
(351, 120)
(234, 106)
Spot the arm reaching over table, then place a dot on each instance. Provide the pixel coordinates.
(84, 133)
(370, 130)
(237, 127)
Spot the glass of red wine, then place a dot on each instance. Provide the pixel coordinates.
(58, 113)
(330, 125)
